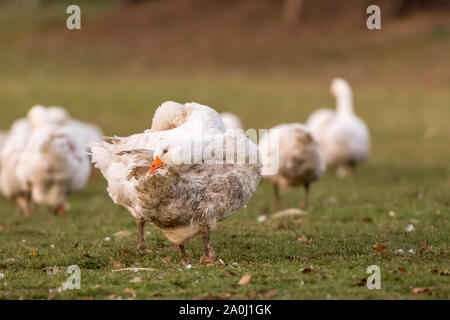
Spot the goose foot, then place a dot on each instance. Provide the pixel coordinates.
(142, 248)
(207, 259)
(61, 210)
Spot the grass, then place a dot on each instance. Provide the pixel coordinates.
(408, 173)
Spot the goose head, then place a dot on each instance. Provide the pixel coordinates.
(176, 155)
(341, 90)
(169, 115)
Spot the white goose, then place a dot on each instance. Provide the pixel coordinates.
(343, 137)
(10, 185)
(149, 174)
(231, 121)
(43, 162)
(300, 161)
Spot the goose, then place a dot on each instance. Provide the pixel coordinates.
(160, 176)
(54, 162)
(231, 121)
(299, 159)
(342, 136)
(42, 162)
(10, 186)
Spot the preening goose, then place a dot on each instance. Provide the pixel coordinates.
(342, 136)
(168, 176)
(300, 160)
(231, 121)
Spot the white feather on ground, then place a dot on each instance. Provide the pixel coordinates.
(342, 136)
(300, 160)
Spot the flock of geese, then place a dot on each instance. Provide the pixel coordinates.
(48, 155)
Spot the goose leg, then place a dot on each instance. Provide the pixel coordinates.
(305, 202)
(184, 258)
(141, 241)
(276, 191)
(209, 255)
(26, 205)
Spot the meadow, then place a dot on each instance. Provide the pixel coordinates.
(323, 254)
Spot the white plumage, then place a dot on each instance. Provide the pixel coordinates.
(183, 196)
(43, 160)
(3, 138)
(300, 161)
(231, 121)
(342, 136)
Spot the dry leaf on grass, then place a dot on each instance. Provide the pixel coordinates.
(367, 219)
(401, 269)
(422, 290)
(156, 294)
(306, 270)
(33, 253)
(122, 234)
(245, 279)
(380, 248)
(130, 291)
(270, 293)
(166, 260)
(116, 264)
(127, 254)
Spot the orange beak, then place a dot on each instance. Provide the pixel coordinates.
(156, 165)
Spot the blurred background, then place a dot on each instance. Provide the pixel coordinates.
(269, 61)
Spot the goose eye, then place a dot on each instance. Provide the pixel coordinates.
(165, 151)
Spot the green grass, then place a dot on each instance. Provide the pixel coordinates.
(408, 173)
